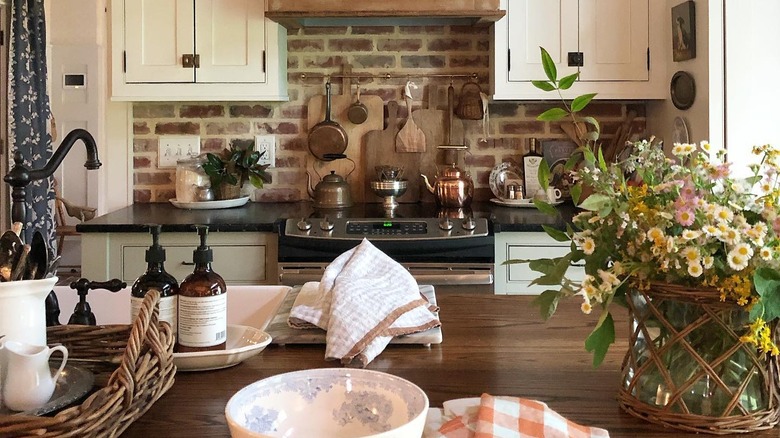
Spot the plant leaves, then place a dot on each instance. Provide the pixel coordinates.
(567, 81)
(556, 234)
(544, 85)
(593, 122)
(575, 191)
(549, 66)
(545, 208)
(580, 102)
(547, 302)
(601, 338)
(544, 174)
(595, 202)
(767, 284)
(552, 115)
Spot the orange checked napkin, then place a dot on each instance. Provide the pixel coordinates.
(513, 417)
(363, 300)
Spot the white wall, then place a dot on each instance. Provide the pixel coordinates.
(78, 38)
(706, 71)
(752, 63)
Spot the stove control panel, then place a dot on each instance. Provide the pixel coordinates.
(386, 229)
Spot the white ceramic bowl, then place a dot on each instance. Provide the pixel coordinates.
(328, 403)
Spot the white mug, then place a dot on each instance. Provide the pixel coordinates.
(553, 194)
(29, 383)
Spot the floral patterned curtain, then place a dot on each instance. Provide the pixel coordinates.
(29, 112)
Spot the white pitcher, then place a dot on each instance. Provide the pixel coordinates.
(3, 367)
(29, 383)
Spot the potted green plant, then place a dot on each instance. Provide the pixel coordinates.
(229, 170)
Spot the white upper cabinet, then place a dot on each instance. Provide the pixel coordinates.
(196, 50)
(611, 43)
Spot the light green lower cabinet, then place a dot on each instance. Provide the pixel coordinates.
(515, 279)
(239, 257)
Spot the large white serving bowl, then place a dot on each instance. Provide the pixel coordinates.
(328, 403)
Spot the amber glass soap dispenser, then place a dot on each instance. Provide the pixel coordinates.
(155, 277)
(202, 304)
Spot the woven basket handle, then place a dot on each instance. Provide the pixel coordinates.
(145, 330)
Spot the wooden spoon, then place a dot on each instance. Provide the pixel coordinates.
(411, 138)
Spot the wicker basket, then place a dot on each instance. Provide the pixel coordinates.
(143, 352)
(686, 367)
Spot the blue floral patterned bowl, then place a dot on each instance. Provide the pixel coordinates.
(328, 403)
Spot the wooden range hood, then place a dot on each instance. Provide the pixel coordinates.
(302, 13)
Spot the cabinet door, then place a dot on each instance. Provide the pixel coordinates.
(157, 34)
(230, 40)
(551, 24)
(614, 39)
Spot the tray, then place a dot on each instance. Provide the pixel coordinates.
(243, 342)
(211, 205)
(284, 334)
(521, 203)
(72, 384)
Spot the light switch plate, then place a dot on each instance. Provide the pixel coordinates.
(176, 147)
(266, 143)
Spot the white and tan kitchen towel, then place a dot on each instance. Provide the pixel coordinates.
(363, 300)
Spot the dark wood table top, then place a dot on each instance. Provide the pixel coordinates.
(492, 344)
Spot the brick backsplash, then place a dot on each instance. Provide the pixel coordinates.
(402, 51)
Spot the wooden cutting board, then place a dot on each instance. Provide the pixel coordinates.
(380, 150)
(434, 123)
(282, 334)
(356, 133)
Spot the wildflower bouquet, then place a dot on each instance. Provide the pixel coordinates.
(682, 218)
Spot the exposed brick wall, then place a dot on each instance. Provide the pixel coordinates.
(312, 52)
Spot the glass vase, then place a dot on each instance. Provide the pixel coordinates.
(686, 364)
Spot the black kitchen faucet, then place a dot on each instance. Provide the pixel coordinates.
(20, 176)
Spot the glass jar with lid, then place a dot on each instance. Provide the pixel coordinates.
(191, 179)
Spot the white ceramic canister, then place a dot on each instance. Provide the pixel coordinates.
(23, 310)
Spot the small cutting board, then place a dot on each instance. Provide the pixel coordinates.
(356, 134)
(282, 334)
(434, 122)
(380, 151)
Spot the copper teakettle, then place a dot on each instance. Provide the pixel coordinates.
(452, 189)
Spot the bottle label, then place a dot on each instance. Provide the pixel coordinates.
(202, 320)
(168, 306)
(531, 173)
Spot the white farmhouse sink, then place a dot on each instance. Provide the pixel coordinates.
(253, 306)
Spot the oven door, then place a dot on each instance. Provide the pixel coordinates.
(460, 274)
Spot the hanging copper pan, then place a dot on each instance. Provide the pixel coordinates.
(327, 138)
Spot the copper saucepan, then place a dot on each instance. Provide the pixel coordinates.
(327, 138)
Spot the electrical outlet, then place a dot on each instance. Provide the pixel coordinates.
(176, 147)
(266, 145)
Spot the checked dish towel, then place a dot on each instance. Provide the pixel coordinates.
(513, 417)
(363, 300)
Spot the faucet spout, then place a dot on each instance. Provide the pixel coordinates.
(67, 143)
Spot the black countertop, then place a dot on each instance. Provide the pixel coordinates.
(262, 216)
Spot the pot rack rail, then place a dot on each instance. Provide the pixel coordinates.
(359, 76)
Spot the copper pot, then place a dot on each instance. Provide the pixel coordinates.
(452, 189)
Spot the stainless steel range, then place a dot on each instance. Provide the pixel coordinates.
(438, 251)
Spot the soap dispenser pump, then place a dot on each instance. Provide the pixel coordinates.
(202, 304)
(157, 278)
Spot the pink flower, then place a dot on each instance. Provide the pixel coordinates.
(685, 216)
(720, 171)
(776, 225)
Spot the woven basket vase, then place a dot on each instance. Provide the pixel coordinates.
(686, 367)
(143, 352)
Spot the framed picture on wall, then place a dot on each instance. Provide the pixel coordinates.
(683, 31)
